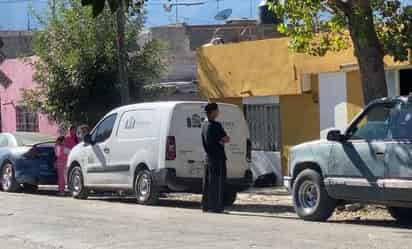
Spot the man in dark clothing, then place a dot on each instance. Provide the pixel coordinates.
(214, 138)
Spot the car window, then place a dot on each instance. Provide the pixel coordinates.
(374, 123)
(402, 124)
(104, 129)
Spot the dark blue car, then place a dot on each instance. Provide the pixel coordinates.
(26, 161)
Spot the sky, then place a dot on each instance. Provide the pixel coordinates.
(15, 14)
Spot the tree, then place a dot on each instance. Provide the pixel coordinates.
(120, 7)
(375, 27)
(76, 70)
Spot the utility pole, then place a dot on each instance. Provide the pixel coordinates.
(177, 11)
(121, 53)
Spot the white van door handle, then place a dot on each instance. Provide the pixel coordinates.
(106, 150)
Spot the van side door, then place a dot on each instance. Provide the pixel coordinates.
(98, 153)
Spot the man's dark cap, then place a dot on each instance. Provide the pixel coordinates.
(211, 107)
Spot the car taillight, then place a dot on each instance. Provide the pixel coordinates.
(171, 148)
(249, 150)
(32, 153)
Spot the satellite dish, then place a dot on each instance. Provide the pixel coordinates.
(223, 15)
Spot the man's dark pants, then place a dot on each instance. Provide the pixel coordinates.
(214, 182)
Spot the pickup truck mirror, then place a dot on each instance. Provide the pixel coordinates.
(335, 135)
(88, 139)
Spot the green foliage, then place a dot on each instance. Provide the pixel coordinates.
(98, 5)
(319, 26)
(77, 66)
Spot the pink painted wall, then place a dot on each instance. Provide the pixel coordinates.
(20, 72)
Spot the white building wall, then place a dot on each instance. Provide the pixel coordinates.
(332, 102)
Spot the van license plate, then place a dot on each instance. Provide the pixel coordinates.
(197, 170)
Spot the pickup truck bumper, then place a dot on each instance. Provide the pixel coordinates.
(287, 182)
(167, 178)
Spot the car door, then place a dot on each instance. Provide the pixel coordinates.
(98, 153)
(398, 175)
(357, 165)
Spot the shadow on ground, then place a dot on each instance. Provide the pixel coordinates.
(377, 223)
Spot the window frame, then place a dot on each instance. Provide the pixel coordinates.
(93, 134)
(22, 120)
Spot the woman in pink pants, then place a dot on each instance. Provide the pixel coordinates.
(61, 152)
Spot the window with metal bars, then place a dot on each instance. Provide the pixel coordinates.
(26, 121)
(264, 125)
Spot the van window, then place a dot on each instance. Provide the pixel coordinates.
(104, 129)
(137, 124)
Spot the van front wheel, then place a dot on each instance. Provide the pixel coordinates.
(145, 190)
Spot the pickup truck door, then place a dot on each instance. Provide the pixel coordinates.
(398, 175)
(357, 165)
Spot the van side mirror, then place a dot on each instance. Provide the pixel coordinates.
(335, 135)
(88, 139)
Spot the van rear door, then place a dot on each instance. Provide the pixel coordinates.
(186, 128)
(186, 124)
(235, 126)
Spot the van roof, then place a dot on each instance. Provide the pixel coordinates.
(163, 104)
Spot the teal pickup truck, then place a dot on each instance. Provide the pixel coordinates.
(370, 162)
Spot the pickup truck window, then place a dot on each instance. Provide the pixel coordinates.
(374, 124)
(402, 125)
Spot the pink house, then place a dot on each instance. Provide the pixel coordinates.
(15, 75)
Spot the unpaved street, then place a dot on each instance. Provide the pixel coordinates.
(45, 222)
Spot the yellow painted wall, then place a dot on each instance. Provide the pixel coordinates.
(258, 68)
(354, 94)
(299, 119)
(233, 101)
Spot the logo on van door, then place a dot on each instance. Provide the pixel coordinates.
(194, 121)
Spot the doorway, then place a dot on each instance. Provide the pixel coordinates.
(405, 82)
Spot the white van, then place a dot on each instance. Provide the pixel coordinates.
(151, 148)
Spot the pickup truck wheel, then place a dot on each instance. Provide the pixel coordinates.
(8, 181)
(311, 201)
(145, 190)
(230, 197)
(402, 215)
(76, 183)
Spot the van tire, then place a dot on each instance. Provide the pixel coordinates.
(147, 193)
(311, 200)
(230, 197)
(402, 215)
(76, 183)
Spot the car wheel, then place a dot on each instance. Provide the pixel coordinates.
(145, 190)
(403, 215)
(311, 200)
(8, 181)
(30, 188)
(76, 183)
(230, 198)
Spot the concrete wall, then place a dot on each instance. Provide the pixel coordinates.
(16, 43)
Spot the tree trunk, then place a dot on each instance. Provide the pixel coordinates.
(122, 54)
(368, 50)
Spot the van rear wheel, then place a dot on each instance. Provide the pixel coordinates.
(145, 190)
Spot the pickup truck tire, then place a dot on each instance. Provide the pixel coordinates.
(147, 193)
(76, 183)
(230, 197)
(310, 198)
(403, 215)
